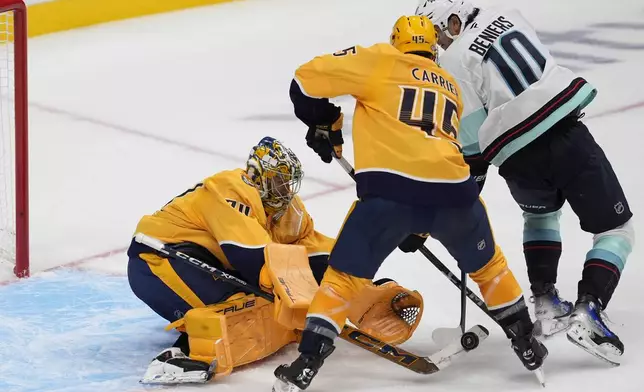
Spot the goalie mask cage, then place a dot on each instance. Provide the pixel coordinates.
(14, 197)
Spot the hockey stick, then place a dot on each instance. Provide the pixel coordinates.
(465, 291)
(397, 355)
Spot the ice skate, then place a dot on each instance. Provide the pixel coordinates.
(298, 375)
(551, 311)
(172, 366)
(589, 331)
(530, 351)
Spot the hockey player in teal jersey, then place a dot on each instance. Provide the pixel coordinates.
(522, 113)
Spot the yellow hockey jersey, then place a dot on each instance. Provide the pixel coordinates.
(405, 124)
(225, 215)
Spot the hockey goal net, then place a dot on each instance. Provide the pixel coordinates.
(14, 218)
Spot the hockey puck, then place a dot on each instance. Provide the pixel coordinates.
(469, 341)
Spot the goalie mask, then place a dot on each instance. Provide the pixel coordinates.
(276, 172)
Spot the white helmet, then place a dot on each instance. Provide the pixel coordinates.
(439, 11)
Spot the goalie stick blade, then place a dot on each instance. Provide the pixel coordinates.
(413, 362)
(455, 349)
(394, 354)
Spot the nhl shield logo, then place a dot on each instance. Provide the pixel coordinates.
(619, 208)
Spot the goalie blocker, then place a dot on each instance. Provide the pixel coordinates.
(243, 328)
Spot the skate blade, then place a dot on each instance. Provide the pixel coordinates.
(168, 379)
(541, 376)
(282, 386)
(577, 336)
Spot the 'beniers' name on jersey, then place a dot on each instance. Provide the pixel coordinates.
(488, 36)
(432, 77)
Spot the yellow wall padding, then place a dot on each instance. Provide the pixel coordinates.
(60, 15)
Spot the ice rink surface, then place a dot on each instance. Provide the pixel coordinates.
(127, 115)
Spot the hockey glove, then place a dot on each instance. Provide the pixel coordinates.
(478, 169)
(413, 242)
(326, 139)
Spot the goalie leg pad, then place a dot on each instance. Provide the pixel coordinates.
(387, 311)
(236, 332)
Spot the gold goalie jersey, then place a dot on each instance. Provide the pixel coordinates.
(226, 216)
(405, 124)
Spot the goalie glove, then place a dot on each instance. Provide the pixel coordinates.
(387, 311)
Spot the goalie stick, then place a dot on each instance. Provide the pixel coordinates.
(465, 291)
(397, 355)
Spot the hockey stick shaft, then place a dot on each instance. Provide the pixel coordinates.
(463, 300)
(352, 335)
(456, 281)
(160, 247)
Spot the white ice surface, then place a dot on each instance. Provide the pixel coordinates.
(124, 116)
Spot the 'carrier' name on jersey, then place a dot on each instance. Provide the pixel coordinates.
(487, 37)
(432, 77)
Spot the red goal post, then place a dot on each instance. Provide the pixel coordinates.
(14, 159)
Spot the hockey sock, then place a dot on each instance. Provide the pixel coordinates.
(497, 283)
(542, 260)
(599, 279)
(542, 249)
(605, 262)
(332, 301)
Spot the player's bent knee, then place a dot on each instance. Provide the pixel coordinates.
(333, 300)
(234, 333)
(541, 227)
(497, 283)
(614, 245)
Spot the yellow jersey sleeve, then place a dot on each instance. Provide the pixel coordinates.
(233, 214)
(341, 73)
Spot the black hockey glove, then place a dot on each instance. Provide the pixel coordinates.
(326, 139)
(413, 242)
(478, 169)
